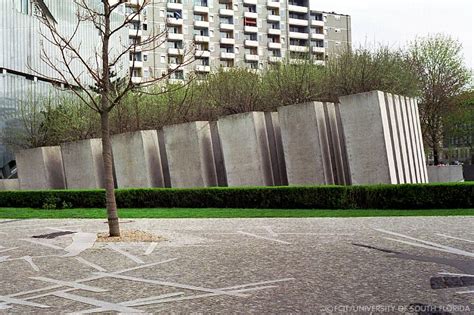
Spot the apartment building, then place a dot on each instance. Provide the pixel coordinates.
(228, 33)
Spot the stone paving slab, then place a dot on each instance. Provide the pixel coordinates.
(247, 266)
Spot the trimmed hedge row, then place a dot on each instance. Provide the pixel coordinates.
(419, 196)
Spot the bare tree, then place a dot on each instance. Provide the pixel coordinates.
(442, 75)
(96, 78)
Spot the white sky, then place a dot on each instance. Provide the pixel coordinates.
(395, 22)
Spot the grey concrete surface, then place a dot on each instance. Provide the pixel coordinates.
(445, 174)
(83, 164)
(137, 159)
(246, 150)
(41, 168)
(383, 138)
(241, 266)
(190, 155)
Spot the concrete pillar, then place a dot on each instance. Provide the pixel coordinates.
(368, 138)
(41, 168)
(307, 137)
(421, 148)
(164, 158)
(9, 184)
(404, 173)
(246, 150)
(83, 164)
(382, 137)
(408, 141)
(190, 155)
(218, 154)
(395, 132)
(275, 144)
(137, 159)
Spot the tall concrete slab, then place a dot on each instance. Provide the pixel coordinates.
(368, 139)
(41, 168)
(408, 141)
(83, 164)
(190, 155)
(413, 139)
(9, 184)
(218, 154)
(137, 159)
(421, 148)
(304, 131)
(275, 144)
(394, 131)
(404, 173)
(164, 158)
(246, 150)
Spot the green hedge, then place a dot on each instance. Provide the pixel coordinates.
(426, 196)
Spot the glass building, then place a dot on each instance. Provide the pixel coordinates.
(23, 73)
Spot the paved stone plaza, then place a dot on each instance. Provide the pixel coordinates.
(247, 266)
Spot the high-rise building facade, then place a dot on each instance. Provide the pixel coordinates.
(228, 33)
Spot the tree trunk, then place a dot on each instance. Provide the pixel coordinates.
(435, 155)
(114, 228)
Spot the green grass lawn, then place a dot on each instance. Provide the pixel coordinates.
(26, 213)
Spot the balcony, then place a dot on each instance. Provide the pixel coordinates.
(173, 21)
(297, 8)
(174, 66)
(136, 80)
(226, 12)
(298, 35)
(202, 53)
(201, 9)
(203, 68)
(318, 49)
(203, 24)
(317, 36)
(273, 4)
(175, 51)
(134, 32)
(174, 6)
(227, 41)
(274, 45)
(227, 26)
(274, 31)
(275, 59)
(302, 49)
(317, 23)
(299, 22)
(272, 17)
(175, 36)
(136, 65)
(251, 15)
(201, 39)
(250, 29)
(251, 43)
(250, 57)
(227, 55)
(253, 2)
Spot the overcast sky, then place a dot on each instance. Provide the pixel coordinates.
(395, 22)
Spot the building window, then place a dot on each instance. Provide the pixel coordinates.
(23, 6)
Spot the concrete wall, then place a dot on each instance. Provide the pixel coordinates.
(383, 139)
(41, 168)
(137, 159)
(246, 150)
(9, 184)
(83, 164)
(190, 155)
(445, 174)
(304, 131)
